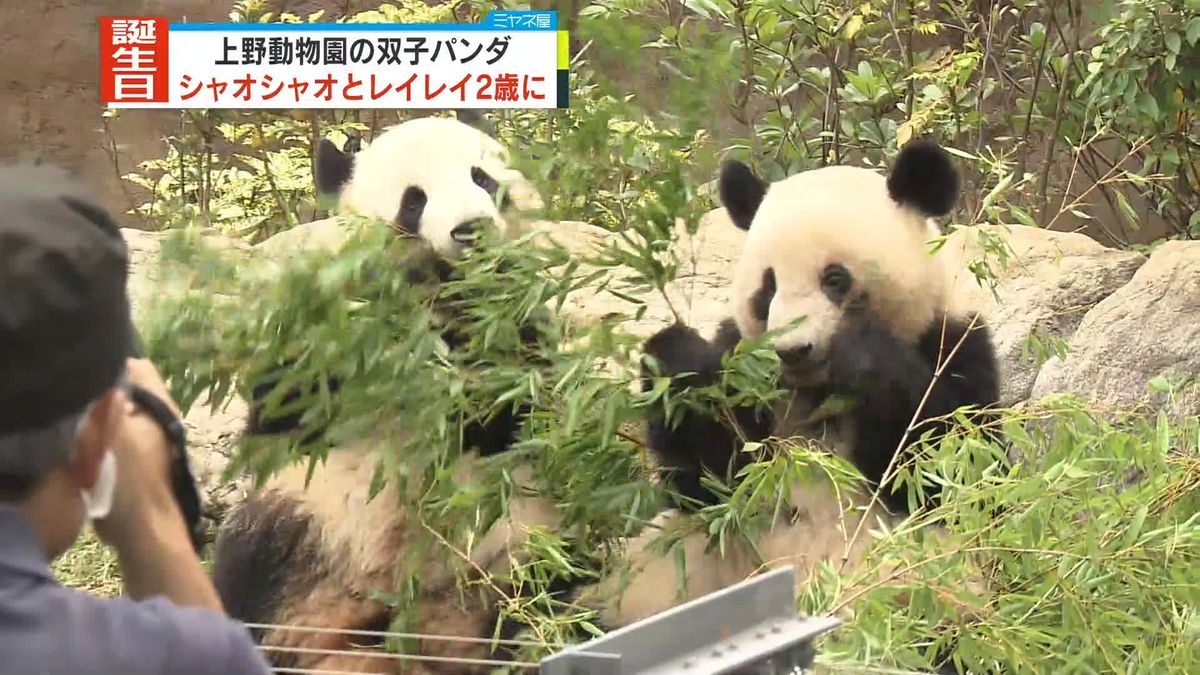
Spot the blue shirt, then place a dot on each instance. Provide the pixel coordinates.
(48, 629)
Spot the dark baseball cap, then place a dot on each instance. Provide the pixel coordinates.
(65, 326)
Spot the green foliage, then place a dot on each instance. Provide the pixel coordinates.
(1037, 349)
(1090, 547)
(639, 181)
(90, 566)
(1088, 573)
(358, 315)
(1107, 91)
(262, 188)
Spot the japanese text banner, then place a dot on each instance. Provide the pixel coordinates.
(510, 60)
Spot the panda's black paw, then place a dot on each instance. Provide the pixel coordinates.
(727, 337)
(679, 349)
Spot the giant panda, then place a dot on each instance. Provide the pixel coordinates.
(311, 552)
(836, 273)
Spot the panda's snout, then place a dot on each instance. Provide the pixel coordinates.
(796, 357)
(800, 365)
(465, 232)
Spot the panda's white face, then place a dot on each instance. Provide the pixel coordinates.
(435, 178)
(820, 243)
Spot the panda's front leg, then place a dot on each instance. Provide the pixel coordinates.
(892, 379)
(884, 379)
(898, 392)
(879, 371)
(690, 443)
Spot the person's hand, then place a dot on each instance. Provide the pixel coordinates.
(142, 372)
(145, 525)
(143, 504)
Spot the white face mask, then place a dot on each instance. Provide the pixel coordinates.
(97, 502)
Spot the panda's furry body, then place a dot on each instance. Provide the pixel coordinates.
(313, 553)
(846, 250)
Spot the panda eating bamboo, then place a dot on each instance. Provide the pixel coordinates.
(835, 263)
(307, 556)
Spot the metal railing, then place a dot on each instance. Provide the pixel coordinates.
(751, 627)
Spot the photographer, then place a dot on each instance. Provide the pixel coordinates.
(74, 448)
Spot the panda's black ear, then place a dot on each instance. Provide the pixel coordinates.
(332, 167)
(924, 177)
(475, 118)
(741, 192)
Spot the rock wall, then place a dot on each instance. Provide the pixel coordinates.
(1147, 328)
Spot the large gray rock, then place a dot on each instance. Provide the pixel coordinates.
(1045, 283)
(143, 266)
(326, 233)
(145, 278)
(212, 436)
(1149, 328)
(698, 296)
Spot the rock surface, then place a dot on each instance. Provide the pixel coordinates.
(1124, 318)
(1046, 283)
(699, 293)
(1148, 328)
(212, 436)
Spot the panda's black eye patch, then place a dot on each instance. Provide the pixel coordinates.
(760, 302)
(412, 206)
(836, 281)
(483, 180)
